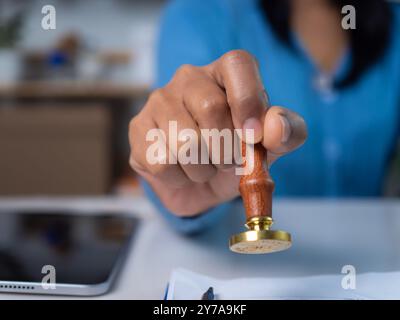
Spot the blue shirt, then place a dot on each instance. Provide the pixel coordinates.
(352, 131)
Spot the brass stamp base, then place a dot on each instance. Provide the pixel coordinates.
(256, 242)
(260, 240)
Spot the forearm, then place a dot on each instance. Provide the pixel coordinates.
(187, 225)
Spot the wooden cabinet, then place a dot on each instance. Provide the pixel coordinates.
(65, 138)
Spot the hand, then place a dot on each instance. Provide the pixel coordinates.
(226, 94)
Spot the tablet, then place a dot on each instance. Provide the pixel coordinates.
(61, 252)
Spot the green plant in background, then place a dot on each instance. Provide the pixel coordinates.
(10, 31)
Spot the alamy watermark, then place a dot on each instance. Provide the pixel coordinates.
(349, 19)
(49, 21)
(188, 147)
(49, 280)
(349, 280)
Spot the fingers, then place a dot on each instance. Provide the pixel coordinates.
(178, 136)
(284, 131)
(184, 141)
(237, 72)
(141, 154)
(207, 104)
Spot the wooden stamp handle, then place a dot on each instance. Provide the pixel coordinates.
(256, 188)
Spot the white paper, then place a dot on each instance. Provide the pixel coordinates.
(187, 285)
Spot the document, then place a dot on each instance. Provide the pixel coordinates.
(185, 284)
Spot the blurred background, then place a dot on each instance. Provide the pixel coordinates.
(66, 98)
(67, 95)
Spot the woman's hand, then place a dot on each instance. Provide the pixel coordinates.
(226, 94)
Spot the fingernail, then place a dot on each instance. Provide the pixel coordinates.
(255, 125)
(286, 129)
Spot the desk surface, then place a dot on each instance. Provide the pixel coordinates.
(326, 236)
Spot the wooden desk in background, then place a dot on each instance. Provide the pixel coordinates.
(117, 102)
(72, 89)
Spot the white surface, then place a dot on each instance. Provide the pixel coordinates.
(185, 285)
(326, 236)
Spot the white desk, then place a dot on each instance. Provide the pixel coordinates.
(326, 236)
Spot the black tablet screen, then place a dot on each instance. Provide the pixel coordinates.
(82, 248)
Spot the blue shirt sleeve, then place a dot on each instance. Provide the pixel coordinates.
(188, 36)
(187, 225)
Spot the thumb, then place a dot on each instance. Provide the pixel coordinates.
(284, 131)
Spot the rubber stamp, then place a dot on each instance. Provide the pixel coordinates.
(256, 189)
